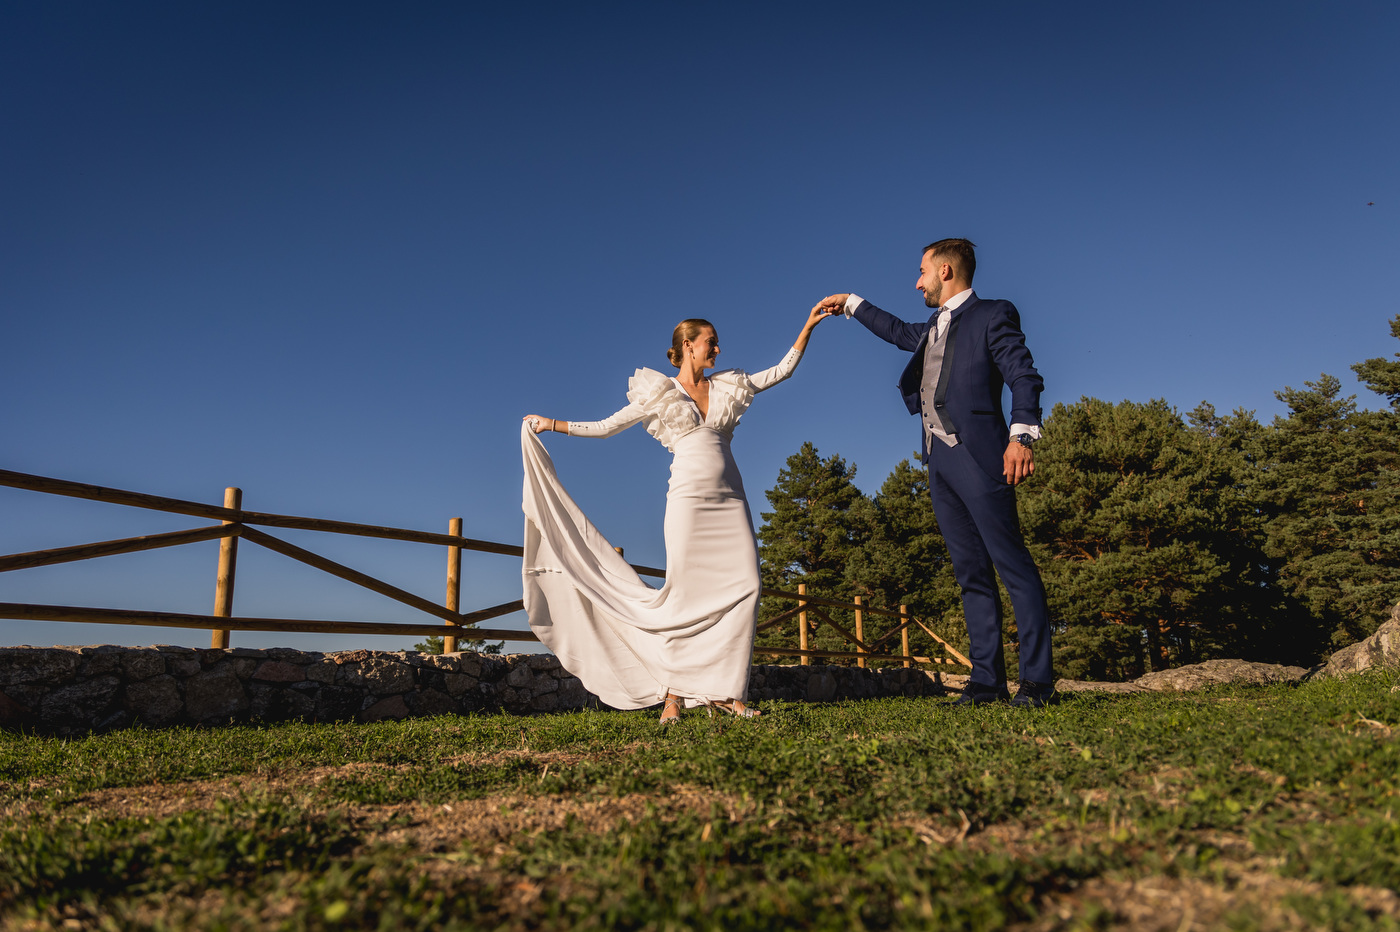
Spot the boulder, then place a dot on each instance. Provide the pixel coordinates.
(1219, 673)
(1089, 686)
(1381, 649)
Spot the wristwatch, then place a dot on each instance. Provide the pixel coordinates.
(1025, 440)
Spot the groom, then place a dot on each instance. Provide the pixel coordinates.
(964, 354)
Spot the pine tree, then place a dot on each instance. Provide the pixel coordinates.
(1143, 537)
(809, 537)
(1330, 488)
(904, 560)
(1382, 376)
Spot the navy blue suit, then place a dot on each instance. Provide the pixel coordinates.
(975, 505)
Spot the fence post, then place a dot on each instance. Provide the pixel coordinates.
(802, 626)
(228, 563)
(454, 584)
(904, 633)
(860, 634)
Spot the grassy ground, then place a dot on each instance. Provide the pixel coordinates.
(1245, 808)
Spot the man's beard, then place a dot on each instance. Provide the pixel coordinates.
(934, 298)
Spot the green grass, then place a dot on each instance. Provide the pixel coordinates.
(1235, 808)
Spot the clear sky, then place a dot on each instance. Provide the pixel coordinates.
(331, 252)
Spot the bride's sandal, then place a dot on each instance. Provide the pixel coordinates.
(671, 711)
(734, 707)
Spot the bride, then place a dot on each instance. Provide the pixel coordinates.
(691, 640)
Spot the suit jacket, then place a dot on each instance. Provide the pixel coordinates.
(986, 351)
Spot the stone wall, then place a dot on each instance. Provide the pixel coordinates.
(72, 690)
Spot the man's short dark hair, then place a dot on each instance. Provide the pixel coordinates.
(959, 253)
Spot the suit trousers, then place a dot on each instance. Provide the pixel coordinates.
(977, 515)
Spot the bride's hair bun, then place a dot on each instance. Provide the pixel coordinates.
(687, 329)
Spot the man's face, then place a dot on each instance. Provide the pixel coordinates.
(930, 280)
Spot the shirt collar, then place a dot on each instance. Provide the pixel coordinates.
(956, 300)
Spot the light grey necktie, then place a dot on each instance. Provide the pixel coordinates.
(936, 422)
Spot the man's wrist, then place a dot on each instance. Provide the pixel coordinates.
(1032, 430)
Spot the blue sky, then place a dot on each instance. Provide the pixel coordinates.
(331, 253)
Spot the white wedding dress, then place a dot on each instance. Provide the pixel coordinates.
(628, 642)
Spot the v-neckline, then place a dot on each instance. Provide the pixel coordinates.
(704, 415)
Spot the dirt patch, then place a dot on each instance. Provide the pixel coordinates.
(162, 800)
(491, 824)
(1173, 904)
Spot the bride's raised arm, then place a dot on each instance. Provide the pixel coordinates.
(775, 374)
(610, 425)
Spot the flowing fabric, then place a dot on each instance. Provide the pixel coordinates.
(630, 643)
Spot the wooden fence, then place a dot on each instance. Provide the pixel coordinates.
(238, 524)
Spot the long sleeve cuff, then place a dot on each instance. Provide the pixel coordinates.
(853, 301)
(1032, 429)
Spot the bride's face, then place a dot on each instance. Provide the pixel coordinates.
(704, 348)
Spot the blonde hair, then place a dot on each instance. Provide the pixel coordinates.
(687, 329)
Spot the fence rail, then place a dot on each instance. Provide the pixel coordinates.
(239, 524)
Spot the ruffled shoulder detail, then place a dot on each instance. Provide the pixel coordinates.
(731, 393)
(667, 412)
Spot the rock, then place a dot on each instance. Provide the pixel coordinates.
(12, 714)
(155, 701)
(322, 671)
(99, 659)
(182, 665)
(80, 705)
(446, 662)
(431, 702)
(243, 667)
(520, 676)
(273, 704)
(382, 677)
(215, 694)
(121, 718)
(821, 687)
(572, 695)
(1381, 649)
(279, 671)
(1087, 686)
(1220, 672)
(287, 655)
(392, 708)
(955, 682)
(458, 684)
(142, 664)
(337, 703)
(30, 665)
(546, 703)
(29, 695)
